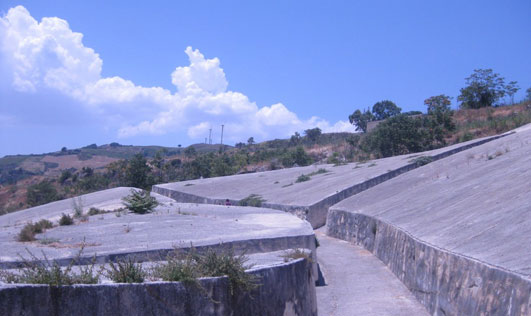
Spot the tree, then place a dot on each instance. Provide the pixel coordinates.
(360, 119)
(385, 109)
(484, 88)
(528, 91)
(64, 150)
(295, 139)
(137, 173)
(439, 103)
(313, 133)
(511, 88)
(240, 145)
(250, 141)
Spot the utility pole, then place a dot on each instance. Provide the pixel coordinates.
(210, 136)
(222, 126)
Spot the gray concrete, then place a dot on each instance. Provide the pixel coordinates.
(357, 283)
(285, 289)
(309, 200)
(150, 236)
(107, 200)
(457, 232)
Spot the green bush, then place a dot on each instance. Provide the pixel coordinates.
(29, 230)
(140, 202)
(41, 193)
(66, 220)
(37, 271)
(126, 271)
(187, 267)
(422, 160)
(302, 178)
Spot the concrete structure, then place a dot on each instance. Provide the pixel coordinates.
(311, 199)
(456, 232)
(287, 288)
(150, 236)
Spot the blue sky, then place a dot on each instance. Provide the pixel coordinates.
(264, 69)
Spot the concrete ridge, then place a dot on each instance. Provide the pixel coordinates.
(239, 247)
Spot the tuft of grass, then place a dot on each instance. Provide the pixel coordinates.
(66, 220)
(140, 202)
(188, 266)
(287, 185)
(252, 200)
(126, 271)
(77, 206)
(37, 271)
(320, 171)
(371, 165)
(302, 178)
(95, 211)
(294, 254)
(188, 184)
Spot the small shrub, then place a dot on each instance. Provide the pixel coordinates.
(126, 271)
(27, 233)
(29, 230)
(179, 268)
(303, 178)
(252, 200)
(77, 206)
(140, 202)
(66, 220)
(226, 263)
(95, 211)
(37, 271)
(422, 160)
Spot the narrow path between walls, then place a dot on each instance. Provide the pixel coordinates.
(358, 283)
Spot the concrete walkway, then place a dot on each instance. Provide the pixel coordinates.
(357, 283)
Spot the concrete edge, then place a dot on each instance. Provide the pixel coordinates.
(445, 282)
(258, 245)
(215, 297)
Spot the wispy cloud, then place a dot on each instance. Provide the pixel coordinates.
(49, 56)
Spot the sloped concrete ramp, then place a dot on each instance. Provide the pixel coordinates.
(310, 200)
(456, 232)
(147, 237)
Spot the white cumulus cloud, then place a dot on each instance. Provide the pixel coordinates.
(48, 55)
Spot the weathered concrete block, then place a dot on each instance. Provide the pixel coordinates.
(286, 289)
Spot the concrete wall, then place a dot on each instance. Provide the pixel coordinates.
(285, 289)
(446, 283)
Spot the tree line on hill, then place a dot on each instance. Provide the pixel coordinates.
(402, 133)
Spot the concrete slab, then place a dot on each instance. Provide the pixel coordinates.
(456, 231)
(309, 200)
(172, 224)
(357, 283)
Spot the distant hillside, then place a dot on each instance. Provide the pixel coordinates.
(14, 168)
(28, 180)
